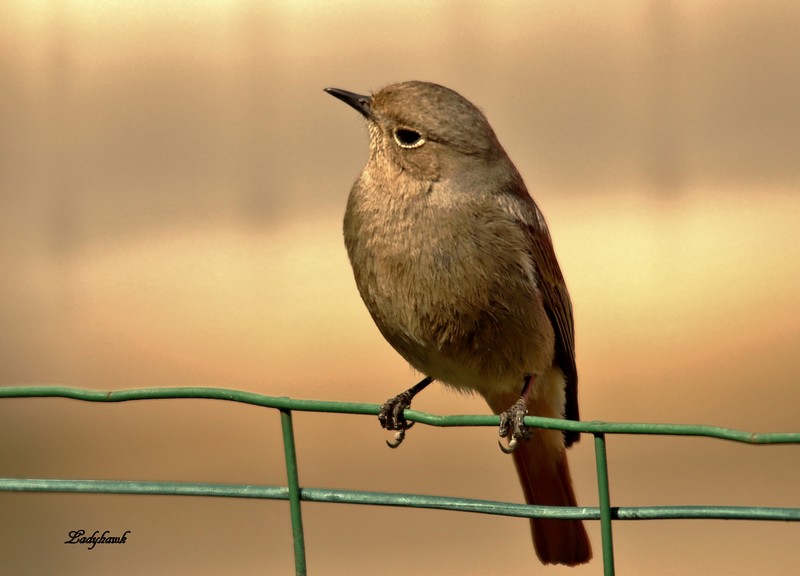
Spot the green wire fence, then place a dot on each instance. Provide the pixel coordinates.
(295, 494)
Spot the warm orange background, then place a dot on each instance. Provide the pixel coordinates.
(172, 181)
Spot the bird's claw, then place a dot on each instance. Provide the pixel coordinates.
(513, 427)
(399, 436)
(391, 417)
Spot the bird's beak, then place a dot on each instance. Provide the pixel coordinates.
(358, 101)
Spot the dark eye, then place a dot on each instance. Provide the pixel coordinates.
(407, 138)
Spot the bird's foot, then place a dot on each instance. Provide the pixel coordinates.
(391, 415)
(513, 427)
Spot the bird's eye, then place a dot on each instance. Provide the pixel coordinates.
(407, 138)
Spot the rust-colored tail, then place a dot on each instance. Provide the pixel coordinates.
(544, 473)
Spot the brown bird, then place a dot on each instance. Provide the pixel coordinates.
(454, 262)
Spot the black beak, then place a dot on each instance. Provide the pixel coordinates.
(361, 103)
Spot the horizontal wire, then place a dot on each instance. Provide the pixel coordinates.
(397, 499)
(286, 403)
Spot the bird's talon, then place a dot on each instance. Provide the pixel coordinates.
(398, 438)
(512, 445)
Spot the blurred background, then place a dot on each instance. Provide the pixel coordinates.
(172, 183)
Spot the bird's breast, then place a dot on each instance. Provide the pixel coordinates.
(450, 285)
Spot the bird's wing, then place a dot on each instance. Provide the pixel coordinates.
(558, 306)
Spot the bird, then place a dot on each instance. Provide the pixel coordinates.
(455, 263)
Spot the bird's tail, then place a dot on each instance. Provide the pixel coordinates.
(546, 481)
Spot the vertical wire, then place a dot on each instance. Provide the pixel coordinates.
(605, 503)
(294, 493)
